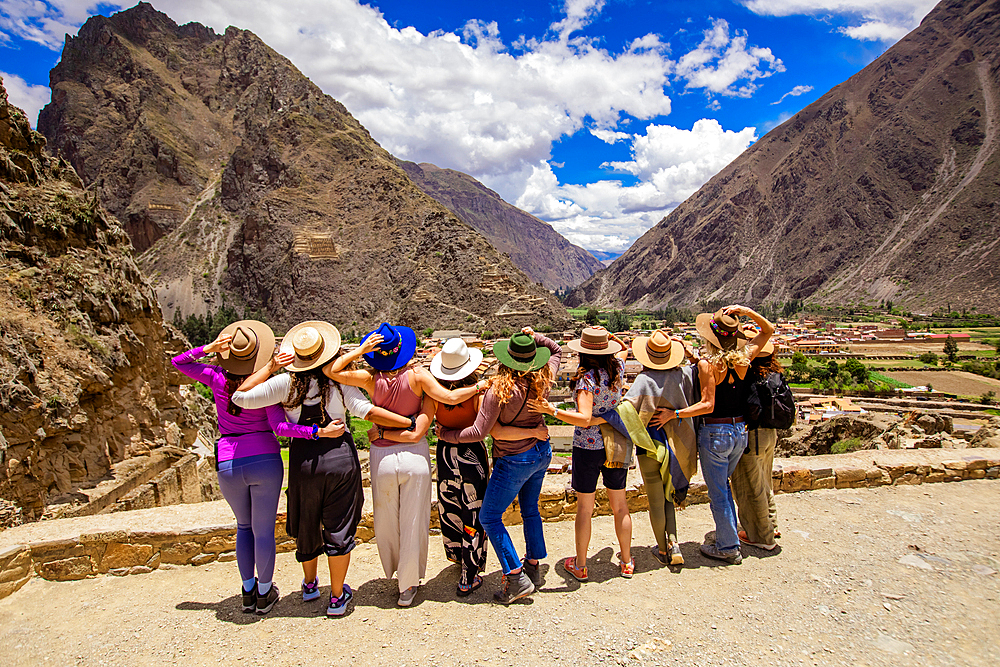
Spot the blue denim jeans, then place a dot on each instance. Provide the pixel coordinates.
(516, 476)
(720, 447)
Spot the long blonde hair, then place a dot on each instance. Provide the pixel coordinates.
(725, 358)
(502, 384)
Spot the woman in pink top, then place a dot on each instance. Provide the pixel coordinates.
(400, 471)
(247, 459)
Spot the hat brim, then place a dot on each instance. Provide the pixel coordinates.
(331, 344)
(703, 324)
(642, 354)
(614, 347)
(395, 361)
(502, 353)
(463, 371)
(260, 358)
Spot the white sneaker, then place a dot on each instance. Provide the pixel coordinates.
(406, 597)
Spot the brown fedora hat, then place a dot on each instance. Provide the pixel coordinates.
(251, 347)
(313, 343)
(595, 341)
(658, 351)
(723, 331)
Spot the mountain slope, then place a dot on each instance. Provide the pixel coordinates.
(534, 246)
(884, 188)
(245, 184)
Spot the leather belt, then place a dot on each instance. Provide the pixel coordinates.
(723, 420)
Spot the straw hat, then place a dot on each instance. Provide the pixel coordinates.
(251, 347)
(398, 346)
(595, 341)
(658, 351)
(455, 360)
(767, 350)
(723, 331)
(520, 353)
(313, 343)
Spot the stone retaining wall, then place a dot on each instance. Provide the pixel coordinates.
(121, 552)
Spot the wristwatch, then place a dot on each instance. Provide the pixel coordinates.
(413, 423)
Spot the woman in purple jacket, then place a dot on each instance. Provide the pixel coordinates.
(247, 457)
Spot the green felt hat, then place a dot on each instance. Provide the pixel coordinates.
(520, 353)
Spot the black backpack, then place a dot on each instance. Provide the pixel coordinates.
(770, 403)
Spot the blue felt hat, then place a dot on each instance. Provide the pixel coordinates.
(396, 349)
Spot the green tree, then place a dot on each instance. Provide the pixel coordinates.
(619, 320)
(951, 349)
(857, 370)
(928, 358)
(593, 316)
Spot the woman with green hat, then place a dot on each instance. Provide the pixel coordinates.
(529, 362)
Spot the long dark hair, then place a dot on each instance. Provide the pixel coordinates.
(467, 381)
(762, 366)
(300, 385)
(232, 382)
(600, 362)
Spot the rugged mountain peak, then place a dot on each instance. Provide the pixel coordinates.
(86, 382)
(884, 188)
(242, 183)
(532, 245)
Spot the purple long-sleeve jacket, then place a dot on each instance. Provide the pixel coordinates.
(249, 433)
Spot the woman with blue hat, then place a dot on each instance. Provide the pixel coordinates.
(529, 362)
(400, 471)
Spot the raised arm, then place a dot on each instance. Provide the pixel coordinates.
(271, 392)
(433, 388)
(277, 362)
(210, 376)
(423, 422)
(766, 328)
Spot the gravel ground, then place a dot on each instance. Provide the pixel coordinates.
(888, 576)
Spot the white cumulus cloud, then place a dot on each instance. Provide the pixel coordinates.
(28, 97)
(884, 20)
(722, 62)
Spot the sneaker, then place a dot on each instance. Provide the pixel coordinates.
(310, 591)
(534, 572)
(406, 597)
(760, 545)
(676, 557)
(514, 587)
(265, 602)
(628, 569)
(249, 598)
(660, 557)
(733, 557)
(579, 573)
(338, 606)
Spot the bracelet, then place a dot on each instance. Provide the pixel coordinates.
(677, 414)
(315, 432)
(413, 423)
(555, 412)
(381, 433)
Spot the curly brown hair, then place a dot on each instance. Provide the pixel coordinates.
(506, 378)
(608, 363)
(300, 387)
(761, 366)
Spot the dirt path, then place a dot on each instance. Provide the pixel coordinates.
(835, 593)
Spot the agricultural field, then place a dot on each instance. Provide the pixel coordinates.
(950, 382)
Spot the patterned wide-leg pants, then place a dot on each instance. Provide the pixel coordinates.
(463, 470)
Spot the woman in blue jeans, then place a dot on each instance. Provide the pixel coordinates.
(529, 361)
(722, 437)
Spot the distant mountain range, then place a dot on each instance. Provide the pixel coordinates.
(532, 245)
(887, 187)
(240, 182)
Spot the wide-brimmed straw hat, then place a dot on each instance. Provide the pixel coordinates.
(251, 347)
(313, 343)
(767, 350)
(658, 351)
(396, 349)
(595, 341)
(455, 360)
(723, 331)
(520, 353)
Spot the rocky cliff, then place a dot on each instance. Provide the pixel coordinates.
(534, 246)
(884, 188)
(84, 376)
(245, 184)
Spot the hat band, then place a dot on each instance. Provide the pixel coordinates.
(655, 354)
(313, 355)
(717, 328)
(522, 356)
(246, 353)
(388, 353)
(603, 345)
(449, 369)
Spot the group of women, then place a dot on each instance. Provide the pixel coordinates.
(309, 404)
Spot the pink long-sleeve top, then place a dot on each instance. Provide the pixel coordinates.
(252, 431)
(510, 413)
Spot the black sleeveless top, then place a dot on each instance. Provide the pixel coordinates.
(731, 396)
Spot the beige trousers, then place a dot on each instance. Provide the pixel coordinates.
(752, 490)
(401, 494)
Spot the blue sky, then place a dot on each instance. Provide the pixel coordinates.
(598, 116)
